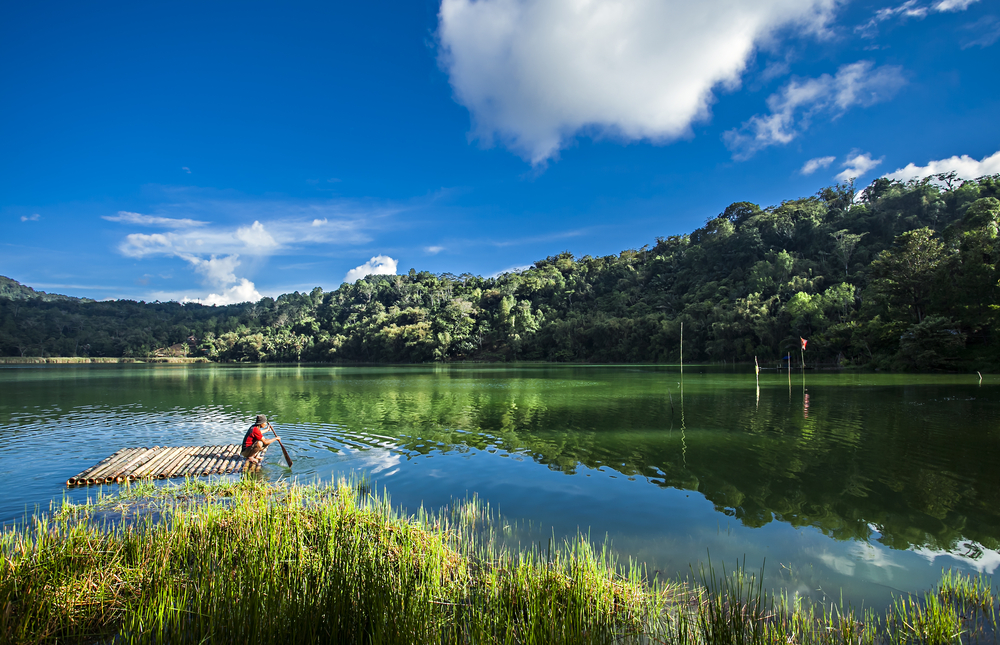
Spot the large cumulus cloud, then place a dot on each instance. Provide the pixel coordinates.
(534, 73)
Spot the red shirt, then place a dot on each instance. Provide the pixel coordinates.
(253, 435)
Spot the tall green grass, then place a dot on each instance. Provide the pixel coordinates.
(264, 563)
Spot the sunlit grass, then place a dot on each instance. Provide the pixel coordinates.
(248, 561)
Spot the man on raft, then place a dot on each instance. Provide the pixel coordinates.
(254, 441)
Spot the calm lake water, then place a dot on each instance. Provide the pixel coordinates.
(839, 483)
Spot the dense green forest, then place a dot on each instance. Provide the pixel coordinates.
(902, 275)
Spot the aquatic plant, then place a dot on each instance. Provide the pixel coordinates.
(249, 561)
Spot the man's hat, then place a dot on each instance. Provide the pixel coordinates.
(261, 420)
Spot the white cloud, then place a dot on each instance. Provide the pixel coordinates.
(433, 250)
(378, 265)
(813, 165)
(967, 552)
(259, 229)
(244, 291)
(256, 238)
(514, 269)
(260, 238)
(534, 73)
(794, 106)
(31, 218)
(954, 5)
(151, 220)
(857, 165)
(965, 167)
(909, 9)
(186, 169)
(217, 271)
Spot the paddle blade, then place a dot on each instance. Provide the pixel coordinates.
(288, 460)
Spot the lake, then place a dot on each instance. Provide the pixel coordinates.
(845, 484)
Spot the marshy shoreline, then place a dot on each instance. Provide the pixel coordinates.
(250, 561)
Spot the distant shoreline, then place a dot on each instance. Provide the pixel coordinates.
(37, 360)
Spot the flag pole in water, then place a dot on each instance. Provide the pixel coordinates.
(802, 352)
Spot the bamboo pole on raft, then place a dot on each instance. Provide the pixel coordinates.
(72, 480)
(172, 463)
(181, 466)
(98, 475)
(149, 468)
(140, 457)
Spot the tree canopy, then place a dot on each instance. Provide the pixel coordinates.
(902, 275)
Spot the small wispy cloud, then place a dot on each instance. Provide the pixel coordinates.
(320, 222)
(795, 105)
(953, 5)
(856, 165)
(541, 238)
(378, 265)
(433, 250)
(31, 218)
(126, 217)
(186, 169)
(813, 165)
(985, 32)
(909, 9)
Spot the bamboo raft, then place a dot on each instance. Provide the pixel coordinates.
(163, 462)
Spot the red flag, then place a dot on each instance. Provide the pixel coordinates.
(804, 341)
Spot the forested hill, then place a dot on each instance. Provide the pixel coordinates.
(14, 290)
(902, 275)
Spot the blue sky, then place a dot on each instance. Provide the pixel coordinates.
(218, 151)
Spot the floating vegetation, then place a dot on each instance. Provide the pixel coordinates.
(248, 561)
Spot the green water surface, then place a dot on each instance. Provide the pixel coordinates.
(837, 483)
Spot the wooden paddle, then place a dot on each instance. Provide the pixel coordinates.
(288, 459)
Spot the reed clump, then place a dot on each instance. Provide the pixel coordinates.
(226, 562)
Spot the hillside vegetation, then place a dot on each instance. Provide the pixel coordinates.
(903, 275)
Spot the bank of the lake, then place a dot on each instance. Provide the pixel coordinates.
(248, 561)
